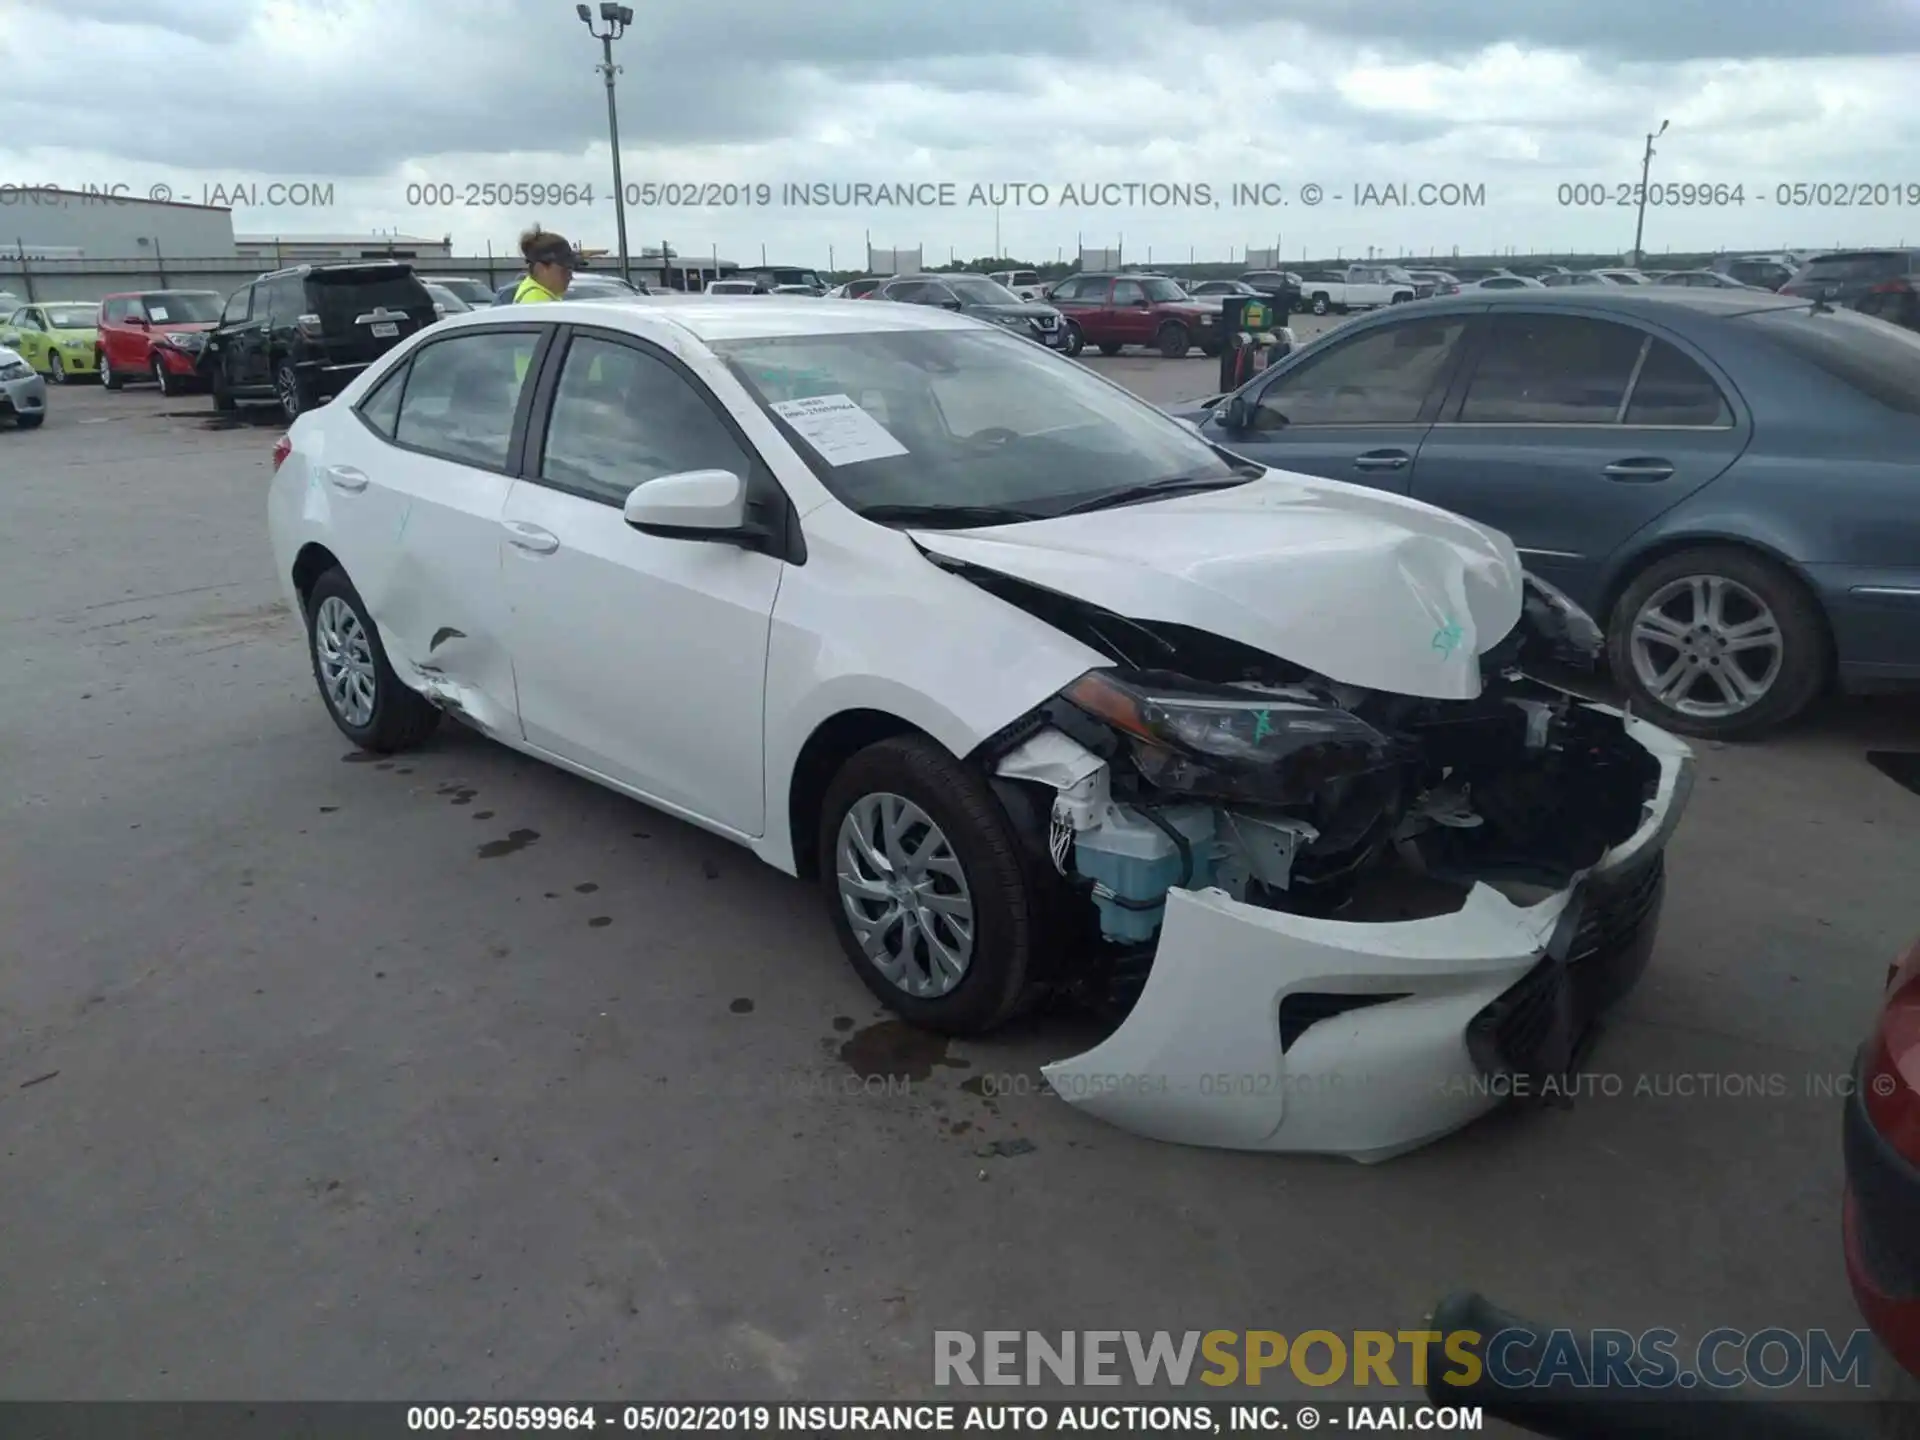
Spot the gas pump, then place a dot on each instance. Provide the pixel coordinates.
(1251, 343)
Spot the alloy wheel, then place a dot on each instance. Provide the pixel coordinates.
(56, 368)
(1707, 646)
(287, 385)
(905, 895)
(345, 653)
(106, 369)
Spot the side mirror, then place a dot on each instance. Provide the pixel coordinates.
(949, 304)
(692, 505)
(1238, 415)
(139, 322)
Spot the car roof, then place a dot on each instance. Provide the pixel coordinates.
(712, 320)
(1644, 301)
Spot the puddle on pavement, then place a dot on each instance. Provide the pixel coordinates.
(516, 840)
(895, 1050)
(1900, 766)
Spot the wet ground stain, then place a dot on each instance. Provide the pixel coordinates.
(843, 1023)
(516, 840)
(459, 794)
(709, 869)
(586, 888)
(384, 765)
(328, 809)
(742, 1006)
(895, 1050)
(1900, 766)
(359, 757)
(483, 814)
(1007, 1149)
(642, 835)
(600, 922)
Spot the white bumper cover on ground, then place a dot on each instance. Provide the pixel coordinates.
(1199, 1059)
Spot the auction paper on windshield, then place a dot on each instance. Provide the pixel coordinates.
(840, 430)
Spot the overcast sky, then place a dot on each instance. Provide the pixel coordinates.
(1518, 99)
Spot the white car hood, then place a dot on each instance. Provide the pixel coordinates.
(1366, 588)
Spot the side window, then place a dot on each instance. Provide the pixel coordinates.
(1551, 370)
(1672, 390)
(286, 300)
(1128, 292)
(382, 408)
(1381, 378)
(621, 416)
(237, 306)
(462, 393)
(28, 320)
(1069, 290)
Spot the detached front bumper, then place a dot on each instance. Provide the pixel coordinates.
(1262, 1030)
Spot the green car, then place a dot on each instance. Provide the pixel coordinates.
(60, 340)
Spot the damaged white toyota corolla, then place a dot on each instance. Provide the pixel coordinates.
(1049, 693)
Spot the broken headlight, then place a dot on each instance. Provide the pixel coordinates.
(1573, 635)
(1224, 743)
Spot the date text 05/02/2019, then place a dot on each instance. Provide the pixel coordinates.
(1711, 194)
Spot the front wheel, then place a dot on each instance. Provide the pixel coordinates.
(1320, 305)
(294, 393)
(163, 377)
(1074, 342)
(56, 368)
(109, 376)
(1718, 643)
(1173, 341)
(365, 698)
(927, 889)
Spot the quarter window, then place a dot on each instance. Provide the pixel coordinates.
(622, 416)
(1551, 370)
(462, 393)
(1381, 378)
(382, 408)
(1672, 390)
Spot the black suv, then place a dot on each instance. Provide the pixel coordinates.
(1282, 287)
(1880, 282)
(300, 335)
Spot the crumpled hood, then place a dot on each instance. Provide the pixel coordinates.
(1366, 588)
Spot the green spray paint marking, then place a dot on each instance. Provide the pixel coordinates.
(1262, 725)
(1447, 638)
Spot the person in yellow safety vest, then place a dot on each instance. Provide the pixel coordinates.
(551, 262)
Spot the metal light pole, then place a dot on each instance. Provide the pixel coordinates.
(1640, 225)
(616, 18)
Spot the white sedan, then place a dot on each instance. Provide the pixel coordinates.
(1044, 691)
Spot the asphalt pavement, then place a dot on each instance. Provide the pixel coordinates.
(453, 1075)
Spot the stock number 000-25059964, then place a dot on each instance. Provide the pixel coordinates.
(642, 1419)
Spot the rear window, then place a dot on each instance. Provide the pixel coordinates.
(1857, 265)
(1875, 358)
(341, 298)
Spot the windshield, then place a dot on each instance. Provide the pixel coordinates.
(977, 290)
(957, 418)
(73, 317)
(1874, 357)
(1158, 287)
(182, 307)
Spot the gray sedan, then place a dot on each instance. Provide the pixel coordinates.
(1726, 478)
(23, 394)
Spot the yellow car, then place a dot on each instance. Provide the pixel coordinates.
(59, 339)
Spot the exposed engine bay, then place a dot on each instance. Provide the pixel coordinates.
(1199, 763)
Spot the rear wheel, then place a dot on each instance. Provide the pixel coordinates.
(365, 698)
(30, 422)
(1109, 347)
(295, 394)
(1173, 340)
(1718, 642)
(1320, 305)
(927, 888)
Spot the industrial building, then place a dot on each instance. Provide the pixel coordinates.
(276, 250)
(41, 222)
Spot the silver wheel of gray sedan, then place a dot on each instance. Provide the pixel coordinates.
(1707, 646)
(345, 658)
(905, 895)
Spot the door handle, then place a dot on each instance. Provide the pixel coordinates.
(1640, 470)
(531, 537)
(1382, 460)
(345, 477)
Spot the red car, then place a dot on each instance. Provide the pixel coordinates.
(1127, 309)
(156, 335)
(1881, 1221)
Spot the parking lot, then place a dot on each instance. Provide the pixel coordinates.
(454, 1075)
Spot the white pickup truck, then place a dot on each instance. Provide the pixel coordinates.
(1024, 283)
(1359, 287)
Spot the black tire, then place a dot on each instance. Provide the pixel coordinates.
(30, 422)
(1320, 305)
(56, 368)
(1173, 341)
(222, 396)
(163, 377)
(109, 376)
(1109, 347)
(1074, 341)
(401, 717)
(1001, 977)
(1807, 647)
(294, 391)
